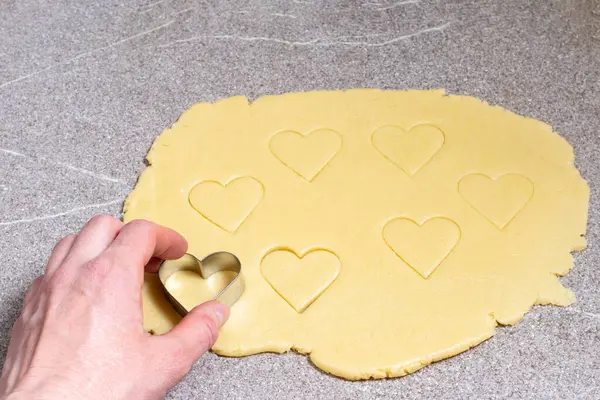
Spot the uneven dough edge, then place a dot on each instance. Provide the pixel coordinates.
(401, 370)
(356, 374)
(555, 294)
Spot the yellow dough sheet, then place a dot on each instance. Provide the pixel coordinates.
(379, 231)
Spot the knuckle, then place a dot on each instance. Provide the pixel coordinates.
(141, 224)
(26, 314)
(32, 291)
(84, 289)
(58, 279)
(31, 317)
(31, 305)
(101, 219)
(107, 221)
(98, 268)
(62, 242)
(35, 285)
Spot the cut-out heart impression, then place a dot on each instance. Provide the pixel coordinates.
(408, 150)
(424, 247)
(498, 200)
(227, 206)
(306, 155)
(300, 280)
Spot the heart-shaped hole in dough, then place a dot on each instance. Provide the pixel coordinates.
(410, 149)
(300, 278)
(227, 205)
(306, 155)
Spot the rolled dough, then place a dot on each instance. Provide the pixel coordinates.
(379, 231)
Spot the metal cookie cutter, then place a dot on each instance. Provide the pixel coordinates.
(216, 262)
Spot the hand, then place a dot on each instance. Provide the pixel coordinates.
(80, 334)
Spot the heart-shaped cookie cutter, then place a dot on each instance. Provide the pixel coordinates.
(213, 263)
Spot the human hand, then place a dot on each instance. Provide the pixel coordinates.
(80, 333)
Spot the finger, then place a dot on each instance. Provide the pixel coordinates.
(33, 291)
(59, 253)
(197, 332)
(139, 241)
(153, 265)
(94, 238)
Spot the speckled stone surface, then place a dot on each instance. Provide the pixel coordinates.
(86, 86)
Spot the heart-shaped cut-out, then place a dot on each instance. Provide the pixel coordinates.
(300, 280)
(408, 150)
(306, 155)
(498, 200)
(227, 206)
(424, 247)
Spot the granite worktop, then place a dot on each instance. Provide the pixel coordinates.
(86, 86)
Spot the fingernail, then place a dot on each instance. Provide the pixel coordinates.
(222, 312)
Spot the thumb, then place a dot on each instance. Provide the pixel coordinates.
(198, 331)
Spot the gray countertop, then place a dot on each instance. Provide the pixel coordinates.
(86, 86)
